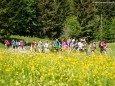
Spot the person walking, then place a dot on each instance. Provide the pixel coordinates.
(46, 46)
(56, 45)
(23, 45)
(32, 46)
(13, 44)
(7, 44)
(40, 46)
(102, 46)
(92, 46)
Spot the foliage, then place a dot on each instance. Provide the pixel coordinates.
(4, 22)
(53, 18)
(85, 12)
(51, 15)
(72, 27)
(112, 30)
(109, 30)
(23, 16)
(106, 13)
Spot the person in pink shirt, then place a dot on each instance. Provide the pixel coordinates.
(102, 46)
(62, 42)
(65, 46)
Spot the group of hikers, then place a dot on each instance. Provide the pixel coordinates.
(15, 44)
(57, 45)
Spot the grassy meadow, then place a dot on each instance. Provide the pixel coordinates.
(55, 69)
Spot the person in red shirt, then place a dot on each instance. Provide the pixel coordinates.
(33, 45)
(22, 45)
(7, 44)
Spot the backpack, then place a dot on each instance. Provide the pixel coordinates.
(102, 44)
(8, 43)
(93, 45)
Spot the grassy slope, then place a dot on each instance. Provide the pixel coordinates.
(112, 47)
(29, 39)
(1, 45)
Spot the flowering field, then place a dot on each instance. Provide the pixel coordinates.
(55, 69)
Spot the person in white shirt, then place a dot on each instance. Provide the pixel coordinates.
(40, 46)
(80, 46)
(46, 46)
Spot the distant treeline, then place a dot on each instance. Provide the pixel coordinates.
(58, 18)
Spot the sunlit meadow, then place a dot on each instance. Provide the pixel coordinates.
(55, 69)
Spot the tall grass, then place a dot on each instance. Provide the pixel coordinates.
(56, 69)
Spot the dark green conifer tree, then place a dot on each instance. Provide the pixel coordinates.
(51, 15)
(85, 12)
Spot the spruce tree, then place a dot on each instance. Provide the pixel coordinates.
(51, 15)
(85, 12)
(4, 15)
(23, 17)
(106, 12)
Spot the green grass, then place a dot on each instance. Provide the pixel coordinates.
(112, 47)
(1, 45)
(29, 39)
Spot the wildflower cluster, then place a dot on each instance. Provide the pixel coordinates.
(56, 69)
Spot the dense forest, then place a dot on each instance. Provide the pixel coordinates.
(58, 18)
